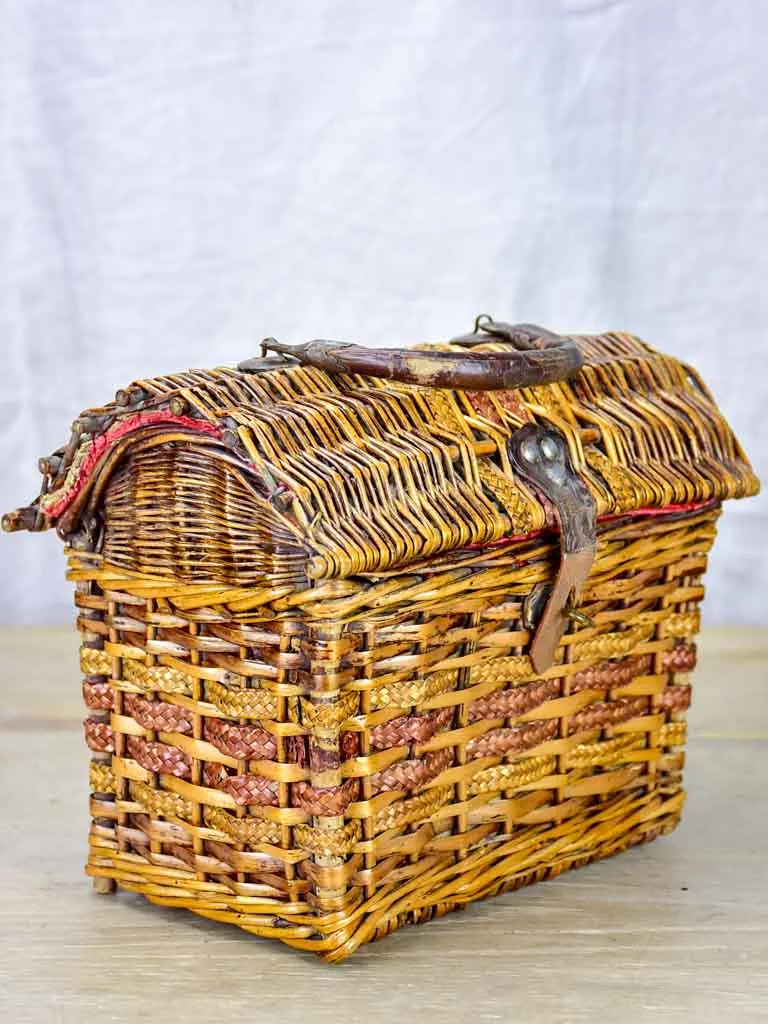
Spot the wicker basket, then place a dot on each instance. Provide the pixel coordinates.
(368, 635)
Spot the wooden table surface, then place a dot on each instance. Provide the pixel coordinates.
(674, 931)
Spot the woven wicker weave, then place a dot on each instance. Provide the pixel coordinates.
(311, 706)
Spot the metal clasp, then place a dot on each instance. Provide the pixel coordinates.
(540, 455)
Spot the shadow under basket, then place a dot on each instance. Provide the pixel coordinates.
(359, 649)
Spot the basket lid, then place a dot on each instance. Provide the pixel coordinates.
(335, 474)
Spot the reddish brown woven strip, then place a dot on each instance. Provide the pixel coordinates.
(245, 790)
(99, 736)
(413, 773)
(596, 716)
(97, 696)
(680, 659)
(676, 698)
(329, 802)
(349, 744)
(610, 673)
(159, 757)
(251, 789)
(410, 729)
(157, 714)
(498, 742)
(242, 741)
(514, 702)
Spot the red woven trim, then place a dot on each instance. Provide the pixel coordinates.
(609, 517)
(103, 442)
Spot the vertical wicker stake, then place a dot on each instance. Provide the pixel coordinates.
(323, 714)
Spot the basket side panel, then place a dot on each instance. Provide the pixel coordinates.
(197, 746)
(476, 774)
(325, 766)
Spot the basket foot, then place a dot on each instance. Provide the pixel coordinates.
(104, 886)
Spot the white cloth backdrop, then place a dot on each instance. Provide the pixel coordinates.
(179, 178)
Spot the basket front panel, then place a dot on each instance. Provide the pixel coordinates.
(324, 766)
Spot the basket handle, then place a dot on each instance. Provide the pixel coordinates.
(539, 357)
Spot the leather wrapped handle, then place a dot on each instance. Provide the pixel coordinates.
(539, 357)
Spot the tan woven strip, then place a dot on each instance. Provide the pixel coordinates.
(329, 716)
(157, 677)
(242, 703)
(619, 479)
(101, 778)
(673, 734)
(412, 692)
(94, 662)
(248, 831)
(161, 803)
(516, 669)
(612, 645)
(416, 808)
(443, 403)
(440, 682)
(510, 776)
(682, 625)
(517, 505)
(588, 755)
(337, 842)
